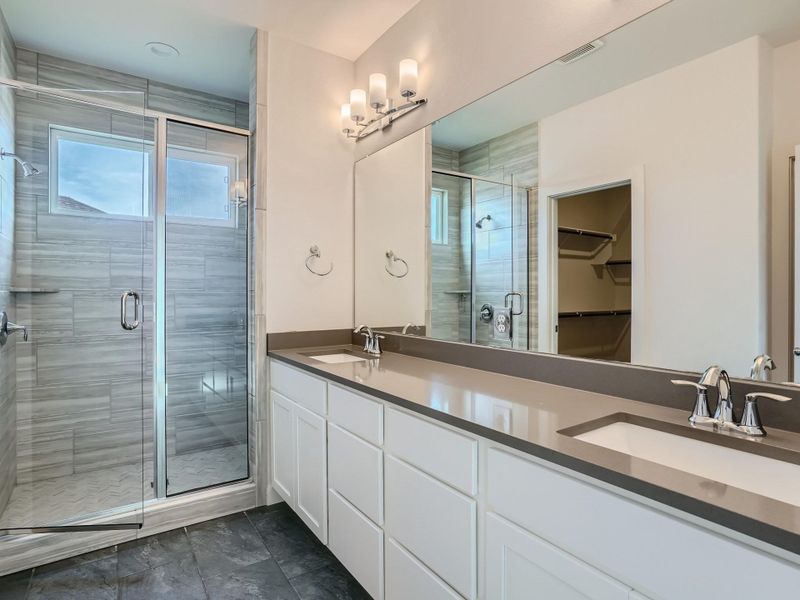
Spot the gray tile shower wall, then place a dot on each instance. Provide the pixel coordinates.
(8, 453)
(51, 71)
(79, 394)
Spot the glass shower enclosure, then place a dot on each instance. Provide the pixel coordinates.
(123, 254)
(479, 260)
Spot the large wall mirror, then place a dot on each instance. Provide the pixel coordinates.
(633, 201)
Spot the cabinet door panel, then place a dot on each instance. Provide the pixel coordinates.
(520, 566)
(282, 446)
(355, 470)
(407, 578)
(434, 522)
(357, 543)
(312, 484)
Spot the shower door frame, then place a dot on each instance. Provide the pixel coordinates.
(158, 357)
(162, 121)
(473, 250)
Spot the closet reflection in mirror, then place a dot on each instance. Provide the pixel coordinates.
(633, 204)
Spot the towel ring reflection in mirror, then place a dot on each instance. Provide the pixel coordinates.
(315, 253)
(393, 258)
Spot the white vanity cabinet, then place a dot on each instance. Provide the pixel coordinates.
(299, 444)
(577, 530)
(521, 566)
(431, 475)
(355, 486)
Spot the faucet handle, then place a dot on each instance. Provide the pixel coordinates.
(751, 420)
(700, 413)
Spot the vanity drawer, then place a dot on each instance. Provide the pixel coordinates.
(357, 543)
(434, 522)
(304, 389)
(625, 538)
(445, 454)
(355, 470)
(355, 413)
(406, 577)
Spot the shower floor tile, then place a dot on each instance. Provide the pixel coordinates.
(60, 500)
(175, 565)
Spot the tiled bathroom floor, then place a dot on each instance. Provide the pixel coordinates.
(264, 554)
(59, 499)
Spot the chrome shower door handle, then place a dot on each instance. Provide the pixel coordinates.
(123, 310)
(521, 300)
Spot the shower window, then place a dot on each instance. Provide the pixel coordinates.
(438, 216)
(99, 175)
(201, 186)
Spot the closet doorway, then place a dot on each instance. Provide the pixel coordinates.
(592, 268)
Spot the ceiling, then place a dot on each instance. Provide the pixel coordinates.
(669, 36)
(213, 36)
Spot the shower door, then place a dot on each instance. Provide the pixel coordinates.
(76, 234)
(205, 306)
(500, 282)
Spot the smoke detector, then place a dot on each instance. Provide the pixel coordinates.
(580, 52)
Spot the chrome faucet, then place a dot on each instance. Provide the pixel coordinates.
(724, 417)
(372, 340)
(761, 364)
(409, 326)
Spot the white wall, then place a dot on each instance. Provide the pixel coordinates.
(469, 48)
(697, 130)
(309, 197)
(786, 135)
(390, 205)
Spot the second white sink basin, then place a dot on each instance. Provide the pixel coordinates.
(755, 473)
(337, 358)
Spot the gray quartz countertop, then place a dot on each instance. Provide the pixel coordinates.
(528, 416)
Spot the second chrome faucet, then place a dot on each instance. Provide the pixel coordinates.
(725, 415)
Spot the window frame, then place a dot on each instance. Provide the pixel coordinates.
(99, 138)
(443, 214)
(231, 161)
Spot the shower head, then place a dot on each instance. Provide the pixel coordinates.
(28, 170)
(479, 224)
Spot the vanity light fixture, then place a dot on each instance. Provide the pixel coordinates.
(354, 121)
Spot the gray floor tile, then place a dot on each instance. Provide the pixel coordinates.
(295, 548)
(260, 581)
(178, 580)
(329, 583)
(152, 551)
(225, 544)
(15, 587)
(267, 519)
(95, 580)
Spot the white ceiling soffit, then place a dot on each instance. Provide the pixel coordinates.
(213, 36)
(669, 36)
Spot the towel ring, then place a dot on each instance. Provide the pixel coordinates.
(394, 258)
(315, 253)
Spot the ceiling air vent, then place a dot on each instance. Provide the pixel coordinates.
(579, 53)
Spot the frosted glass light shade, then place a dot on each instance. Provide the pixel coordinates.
(346, 120)
(377, 90)
(358, 105)
(408, 77)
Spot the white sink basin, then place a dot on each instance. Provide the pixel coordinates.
(747, 471)
(337, 358)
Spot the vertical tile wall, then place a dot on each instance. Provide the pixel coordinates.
(79, 390)
(8, 438)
